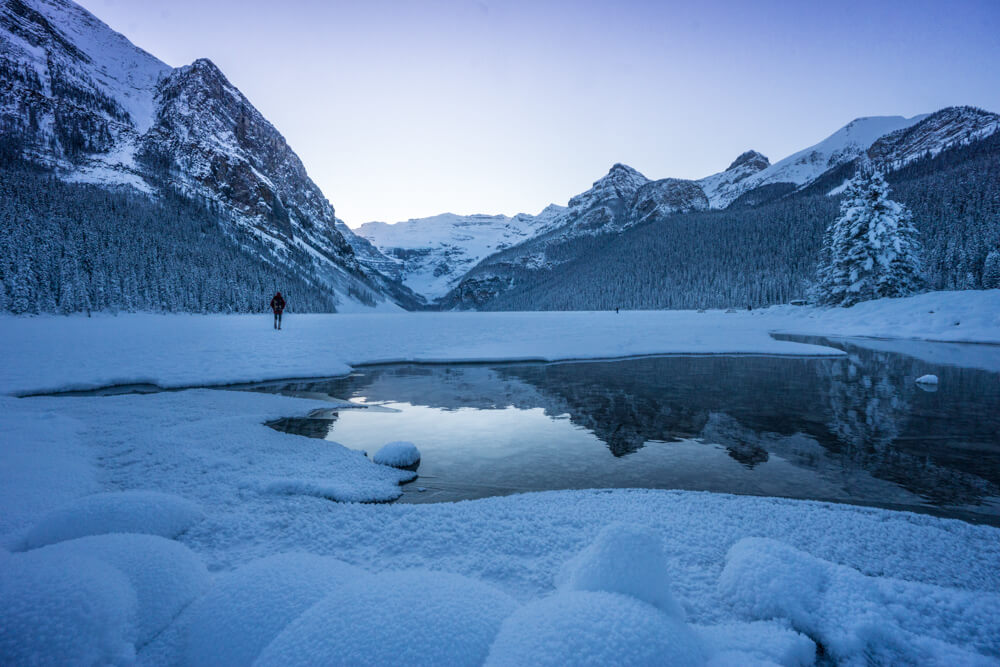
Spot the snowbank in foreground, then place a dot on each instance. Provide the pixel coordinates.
(903, 587)
(55, 353)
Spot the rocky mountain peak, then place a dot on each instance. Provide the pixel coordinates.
(621, 182)
(750, 160)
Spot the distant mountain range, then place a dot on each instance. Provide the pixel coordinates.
(625, 199)
(82, 103)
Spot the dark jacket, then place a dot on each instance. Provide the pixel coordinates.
(278, 303)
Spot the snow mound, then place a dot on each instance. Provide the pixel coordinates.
(403, 618)
(626, 559)
(593, 628)
(64, 610)
(351, 491)
(165, 575)
(248, 607)
(860, 619)
(146, 512)
(927, 379)
(768, 579)
(398, 454)
(757, 643)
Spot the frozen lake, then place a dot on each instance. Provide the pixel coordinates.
(853, 429)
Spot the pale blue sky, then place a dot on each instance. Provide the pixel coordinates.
(409, 109)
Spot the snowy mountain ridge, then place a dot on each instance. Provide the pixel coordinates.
(432, 254)
(80, 98)
(624, 197)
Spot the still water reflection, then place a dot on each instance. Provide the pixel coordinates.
(852, 429)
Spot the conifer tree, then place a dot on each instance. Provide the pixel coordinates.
(871, 251)
(991, 270)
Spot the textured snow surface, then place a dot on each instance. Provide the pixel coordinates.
(414, 617)
(628, 560)
(146, 512)
(250, 606)
(398, 454)
(164, 575)
(593, 628)
(860, 619)
(62, 611)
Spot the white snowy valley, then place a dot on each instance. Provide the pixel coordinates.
(177, 528)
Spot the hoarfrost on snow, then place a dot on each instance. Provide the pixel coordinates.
(65, 610)
(248, 607)
(399, 454)
(147, 512)
(593, 628)
(165, 575)
(416, 617)
(626, 559)
(859, 618)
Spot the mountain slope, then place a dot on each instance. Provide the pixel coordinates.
(79, 98)
(802, 167)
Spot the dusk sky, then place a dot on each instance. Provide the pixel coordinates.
(409, 109)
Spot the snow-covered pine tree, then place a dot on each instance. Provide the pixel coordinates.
(871, 251)
(991, 270)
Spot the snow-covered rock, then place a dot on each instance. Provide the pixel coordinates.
(147, 512)
(859, 619)
(249, 607)
(399, 454)
(927, 379)
(406, 618)
(64, 610)
(593, 628)
(164, 575)
(626, 559)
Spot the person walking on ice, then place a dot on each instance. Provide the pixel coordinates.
(277, 305)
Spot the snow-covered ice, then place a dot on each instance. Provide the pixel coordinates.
(399, 454)
(52, 353)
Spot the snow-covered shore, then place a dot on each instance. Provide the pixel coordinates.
(175, 528)
(57, 353)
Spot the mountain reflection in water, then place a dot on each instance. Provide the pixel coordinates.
(851, 429)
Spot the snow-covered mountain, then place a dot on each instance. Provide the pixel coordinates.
(800, 168)
(81, 99)
(430, 255)
(936, 131)
(624, 197)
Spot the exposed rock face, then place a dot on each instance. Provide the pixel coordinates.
(749, 162)
(78, 97)
(666, 196)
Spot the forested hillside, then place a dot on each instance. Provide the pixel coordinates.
(68, 247)
(762, 253)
